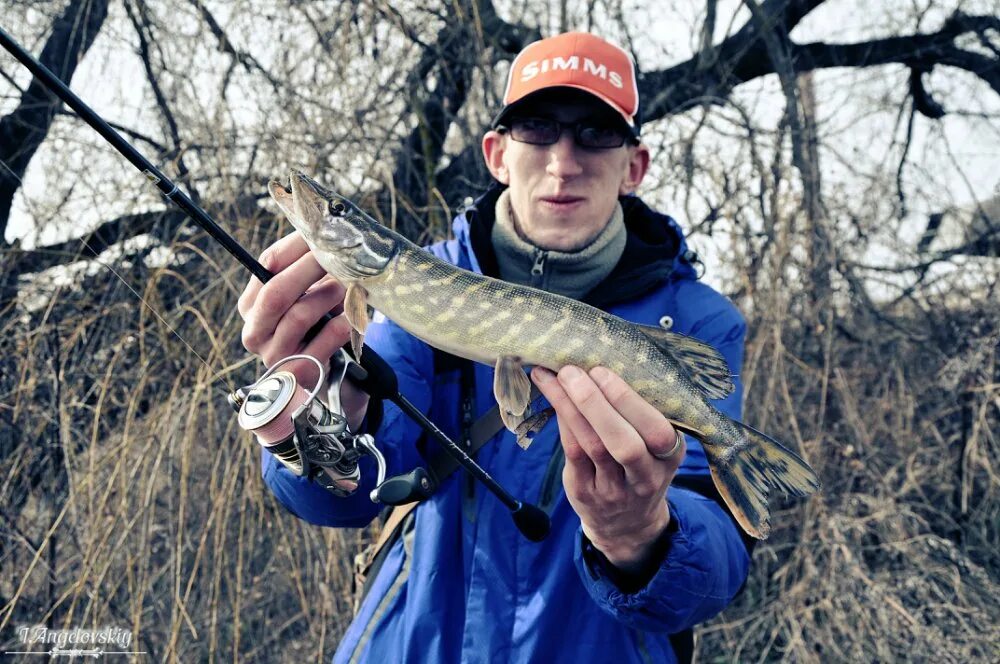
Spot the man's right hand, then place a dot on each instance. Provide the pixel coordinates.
(277, 315)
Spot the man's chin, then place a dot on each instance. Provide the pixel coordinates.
(567, 240)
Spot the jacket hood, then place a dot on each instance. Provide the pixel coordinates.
(655, 248)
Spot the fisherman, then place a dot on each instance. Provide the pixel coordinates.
(641, 547)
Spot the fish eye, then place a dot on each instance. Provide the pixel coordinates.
(338, 207)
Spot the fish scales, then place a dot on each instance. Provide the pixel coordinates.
(574, 343)
(510, 326)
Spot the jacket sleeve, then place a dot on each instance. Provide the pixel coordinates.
(704, 567)
(413, 362)
(705, 561)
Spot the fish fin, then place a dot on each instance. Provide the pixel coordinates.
(686, 428)
(529, 428)
(356, 310)
(705, 366)
(512, 390)
(746, 478)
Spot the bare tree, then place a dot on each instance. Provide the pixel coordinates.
(444, 60)
(126, 493)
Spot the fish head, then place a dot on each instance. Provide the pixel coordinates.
(348, 243)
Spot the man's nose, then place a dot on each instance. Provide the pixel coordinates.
(563, 158)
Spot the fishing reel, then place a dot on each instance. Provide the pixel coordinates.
(308, 437)
(313, 440)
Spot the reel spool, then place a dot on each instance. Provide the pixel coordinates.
(306, 436)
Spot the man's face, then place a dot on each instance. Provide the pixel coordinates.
(562, 195)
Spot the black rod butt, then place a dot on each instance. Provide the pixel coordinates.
(531, 521)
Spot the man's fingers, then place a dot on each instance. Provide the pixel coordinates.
(653, 428)
(284, 252)
(277, 297)
(572, 421)
(275, 258)
(326, 342)
(579, 471)
(611, 428)
(289, 334)
(334, 334)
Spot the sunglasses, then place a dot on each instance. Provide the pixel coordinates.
(586, 133)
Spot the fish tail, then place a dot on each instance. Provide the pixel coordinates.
(746, 477)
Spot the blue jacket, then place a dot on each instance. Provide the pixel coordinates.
(461, 584)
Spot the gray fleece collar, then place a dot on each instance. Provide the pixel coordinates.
(573, 274)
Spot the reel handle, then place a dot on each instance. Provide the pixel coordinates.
(407, 488)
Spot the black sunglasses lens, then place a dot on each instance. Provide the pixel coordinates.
(599, 136)
(543, 131)
(537, 131)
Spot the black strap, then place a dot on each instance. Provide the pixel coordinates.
(474, 434)
(683, 645)
(441, 465)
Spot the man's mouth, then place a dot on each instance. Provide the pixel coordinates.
(561, 202)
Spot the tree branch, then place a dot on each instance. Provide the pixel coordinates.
(743, 57)
(122, 129)
(923, 102)
(163, 224)
(920, 51)
(707, 54)
(450, 62)
(23, 130)
(249, 62)
(676, 88)
(141, 23)
(159, 224)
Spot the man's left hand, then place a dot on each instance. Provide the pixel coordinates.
(613, 478)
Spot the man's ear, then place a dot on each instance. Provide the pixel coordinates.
(494, 145)
(638, 164)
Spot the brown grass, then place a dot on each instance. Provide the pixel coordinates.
(129, 498)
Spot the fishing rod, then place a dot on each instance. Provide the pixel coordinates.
(319, 444)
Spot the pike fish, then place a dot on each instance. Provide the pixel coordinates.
(510, 326)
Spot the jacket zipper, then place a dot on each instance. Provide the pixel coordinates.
(538, 268)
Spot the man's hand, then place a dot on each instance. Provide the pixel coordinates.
(277, 315)
(612, 477)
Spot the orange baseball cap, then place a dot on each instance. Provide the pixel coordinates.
(576, 60)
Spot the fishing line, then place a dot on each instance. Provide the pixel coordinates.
(215, 374)
(373, 375)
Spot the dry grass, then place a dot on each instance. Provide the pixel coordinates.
(897, 558)
(129, 498)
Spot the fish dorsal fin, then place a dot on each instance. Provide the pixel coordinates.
(705, 366)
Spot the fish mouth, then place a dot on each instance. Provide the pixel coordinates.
(309, 198)
(282, 195)
(303, 200)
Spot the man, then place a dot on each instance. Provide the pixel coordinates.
(633, 557)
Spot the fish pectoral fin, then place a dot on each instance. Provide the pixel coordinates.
(705, 366)
(356, 310)
(512, 390)
(529, 428)
(686, 428)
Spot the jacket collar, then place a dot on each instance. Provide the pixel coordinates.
(655, 249)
